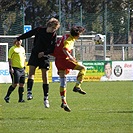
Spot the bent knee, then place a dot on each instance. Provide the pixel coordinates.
(80, 68)
(83, 68)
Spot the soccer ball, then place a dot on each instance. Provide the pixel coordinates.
(99, 39)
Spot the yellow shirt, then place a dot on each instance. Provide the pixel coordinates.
(69, 43)
(17, 56)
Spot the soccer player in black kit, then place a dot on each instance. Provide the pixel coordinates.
(44, 44)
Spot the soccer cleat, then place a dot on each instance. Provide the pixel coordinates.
(46, 104)
(21, 101)
(65, 107)
(77, 89)
(7, 99)
(29, 96)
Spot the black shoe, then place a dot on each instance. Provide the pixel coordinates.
(7, 99)
(77, 89)
(65, 107)
(21, 101)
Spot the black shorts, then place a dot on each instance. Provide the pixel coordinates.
(39, 62)
(18, 76)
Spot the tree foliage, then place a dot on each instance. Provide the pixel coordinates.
(37, 12)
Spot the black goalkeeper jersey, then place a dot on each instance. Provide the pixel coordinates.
(43, 41)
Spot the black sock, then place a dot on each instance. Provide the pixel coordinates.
(30, 85)
(21, 93)
(10, 90)
(45, 91)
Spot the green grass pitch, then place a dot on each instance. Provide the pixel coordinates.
(106, 108)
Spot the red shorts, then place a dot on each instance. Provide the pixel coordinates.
(64, 64)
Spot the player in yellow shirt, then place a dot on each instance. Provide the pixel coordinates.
(16, 60)
(64, 61)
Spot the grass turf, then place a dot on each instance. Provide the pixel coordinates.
(106, 108)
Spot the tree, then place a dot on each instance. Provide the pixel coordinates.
(37, 12)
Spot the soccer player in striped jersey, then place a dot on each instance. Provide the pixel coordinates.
(16, 59)
(64, 61)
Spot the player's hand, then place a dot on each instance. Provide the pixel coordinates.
(17, 39)
(41, 54)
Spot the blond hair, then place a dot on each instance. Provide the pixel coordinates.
(53, 22)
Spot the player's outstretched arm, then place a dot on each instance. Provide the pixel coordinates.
(27, 34)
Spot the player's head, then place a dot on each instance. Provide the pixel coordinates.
(53, 22)
(17, 43)
(76, 31)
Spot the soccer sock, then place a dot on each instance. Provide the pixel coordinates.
(63, 94)
(30, 85)
(45, 91)
(78, 84)
(10, 90)
(80, 77)
(21, 93)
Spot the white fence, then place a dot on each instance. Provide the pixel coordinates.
(85, 49)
